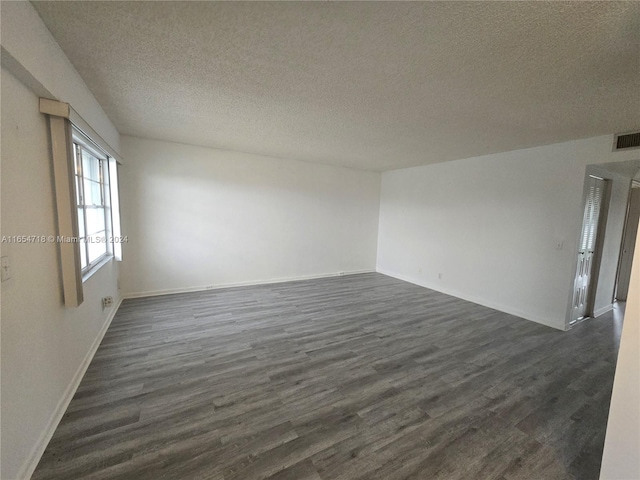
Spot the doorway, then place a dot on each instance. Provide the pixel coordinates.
(628, 243)
(588, 251)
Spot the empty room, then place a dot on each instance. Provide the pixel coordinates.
(320, 240)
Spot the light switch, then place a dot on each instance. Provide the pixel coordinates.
(5, 268)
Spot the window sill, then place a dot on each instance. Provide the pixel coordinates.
(89, 273)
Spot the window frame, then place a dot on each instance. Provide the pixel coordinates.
(81, 142)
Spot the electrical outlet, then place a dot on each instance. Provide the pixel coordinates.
(5, 268)
(107, 302)
(440, 276)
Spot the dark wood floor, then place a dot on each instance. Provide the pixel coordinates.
(356, 377)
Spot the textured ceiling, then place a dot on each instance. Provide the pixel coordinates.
(376, 85)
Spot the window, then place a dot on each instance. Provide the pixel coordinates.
(93, 201)
(85, 172)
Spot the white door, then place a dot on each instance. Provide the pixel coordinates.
(587, 248)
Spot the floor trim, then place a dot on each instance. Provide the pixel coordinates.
(472, 299)
(29, 466)
(603, 310)
(156, 293)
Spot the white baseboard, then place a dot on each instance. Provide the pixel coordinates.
(37, 451)
(155, 293)
(603, 310)
(480, 301)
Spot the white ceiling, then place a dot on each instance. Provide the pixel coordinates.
(376, 85)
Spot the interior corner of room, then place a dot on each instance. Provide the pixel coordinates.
(325, 143)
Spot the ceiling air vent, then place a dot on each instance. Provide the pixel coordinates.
(627, 140)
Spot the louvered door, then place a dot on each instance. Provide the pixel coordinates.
(586, 252)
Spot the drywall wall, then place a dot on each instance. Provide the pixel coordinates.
(45, 347)
(198, 217)
(500, 230)
(620, 460)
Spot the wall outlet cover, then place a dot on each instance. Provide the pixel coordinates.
(107, 302)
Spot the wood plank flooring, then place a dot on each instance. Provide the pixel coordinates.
(355, 377)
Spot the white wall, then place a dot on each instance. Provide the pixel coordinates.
(45, 347)
(198, 217)
(620, 460)
(491, 226)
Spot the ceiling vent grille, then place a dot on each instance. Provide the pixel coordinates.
(627, 140)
